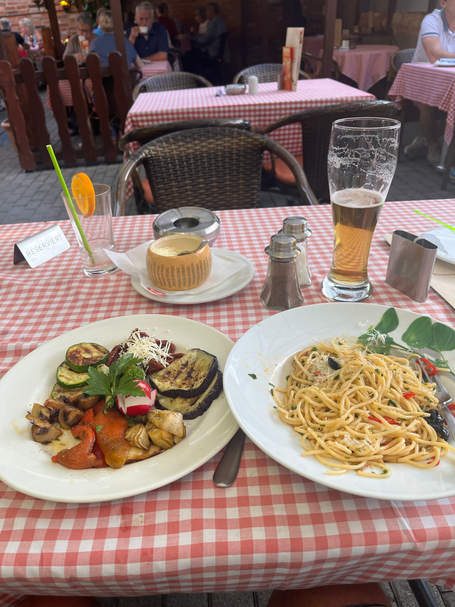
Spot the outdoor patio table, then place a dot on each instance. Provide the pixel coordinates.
(366, 64)
(272, 528)
(428, 84)
(261, 110)
(149, 69)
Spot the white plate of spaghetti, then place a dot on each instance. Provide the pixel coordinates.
(329, 391)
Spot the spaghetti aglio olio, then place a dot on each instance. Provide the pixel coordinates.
(362, 416)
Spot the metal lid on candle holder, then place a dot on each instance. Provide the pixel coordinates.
(282, 246)
(297, 227)
(190, 220)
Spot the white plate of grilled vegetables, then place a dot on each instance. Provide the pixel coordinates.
(27, 464)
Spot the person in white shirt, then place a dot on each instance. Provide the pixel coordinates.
(436, 40)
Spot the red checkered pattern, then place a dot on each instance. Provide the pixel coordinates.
(428, 84)
(366, 64)
(272, 528)
(261, 110)
(155, 67)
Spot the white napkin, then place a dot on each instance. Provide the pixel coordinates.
(444, 239)
(133, 262)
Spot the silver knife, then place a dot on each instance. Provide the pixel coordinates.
(226, 471)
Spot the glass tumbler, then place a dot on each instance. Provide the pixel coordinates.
(362, 159)
(98, 232)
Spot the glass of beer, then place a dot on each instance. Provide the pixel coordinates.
(362, 159)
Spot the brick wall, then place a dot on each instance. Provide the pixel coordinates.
(17, 9)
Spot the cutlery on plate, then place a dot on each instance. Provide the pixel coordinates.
(226, 471)
(443, 397)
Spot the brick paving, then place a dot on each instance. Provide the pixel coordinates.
(35, 196)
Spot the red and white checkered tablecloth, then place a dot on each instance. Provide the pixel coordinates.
(154, 67)
(366, 64)
(272, 528)
(428, 84)
(261, 110)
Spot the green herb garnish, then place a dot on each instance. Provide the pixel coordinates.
(114, 383)
(253, 375)
(98, 428)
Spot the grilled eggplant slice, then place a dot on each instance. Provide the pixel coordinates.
(82, 356)
(191, 408)
(188, 376)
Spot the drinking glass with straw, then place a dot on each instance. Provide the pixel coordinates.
(90, 213)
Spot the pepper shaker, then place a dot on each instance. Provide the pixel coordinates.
(281, 289)
(298, 227)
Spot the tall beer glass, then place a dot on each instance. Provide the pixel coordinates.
(362, 159)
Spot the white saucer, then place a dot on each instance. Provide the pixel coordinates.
(233, 284)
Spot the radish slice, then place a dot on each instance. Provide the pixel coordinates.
(137, 405)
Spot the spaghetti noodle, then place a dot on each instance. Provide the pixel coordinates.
(356, 410)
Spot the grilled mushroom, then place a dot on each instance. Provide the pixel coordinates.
(42, 431)
(137, 436)
(172, 421)
(41, 412)
(69, 416)
(82, 401)
(54, 407)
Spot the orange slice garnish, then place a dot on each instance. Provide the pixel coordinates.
(84, 193)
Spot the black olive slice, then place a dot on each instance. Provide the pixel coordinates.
(333, 364)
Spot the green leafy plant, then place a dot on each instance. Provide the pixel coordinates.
(421, 334)
(115, 382)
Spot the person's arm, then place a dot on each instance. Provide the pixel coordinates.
(210, 34)
(138, 64)
(134, 33)
(434, 50)
(159, 56)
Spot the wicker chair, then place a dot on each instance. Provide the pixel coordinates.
(306, 59)
(397, 60)
(142, 191)
(172, 81)
(216, 168)
(266, 72)
(316, 128)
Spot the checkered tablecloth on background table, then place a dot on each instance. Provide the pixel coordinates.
(261, 110)
(149, 69)
(428, 84)
(366, 64)
(272, 528)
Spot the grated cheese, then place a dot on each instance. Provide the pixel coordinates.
(146, 348)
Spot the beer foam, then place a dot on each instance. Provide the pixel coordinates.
(358, 197)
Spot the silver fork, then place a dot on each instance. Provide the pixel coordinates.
(443, 397)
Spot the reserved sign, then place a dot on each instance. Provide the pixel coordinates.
(41, 247)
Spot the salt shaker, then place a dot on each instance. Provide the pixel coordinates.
(297, 227)
(281, 289)
(253, 85)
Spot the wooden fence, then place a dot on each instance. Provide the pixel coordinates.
(110, 97)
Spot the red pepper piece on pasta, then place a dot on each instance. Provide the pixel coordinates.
(429, 367)
(409, 395)
(391, 421)
(375, 419)
(432, 460)
(319, 373)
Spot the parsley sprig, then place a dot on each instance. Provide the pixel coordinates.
(114, 382)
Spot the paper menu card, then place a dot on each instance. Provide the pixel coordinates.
(443, 279)
(294, 38)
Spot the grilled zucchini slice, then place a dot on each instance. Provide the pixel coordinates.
(70, 379)
(82, 356)
(191, 408)
(188, 376)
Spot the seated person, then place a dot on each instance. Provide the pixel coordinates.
(206, 45)
(29, 33)
(200, 16)
(436, 40)
(98, 31)
(5, 26)
(152, 45)
(84, 28)
(164, 19)
(103, 45)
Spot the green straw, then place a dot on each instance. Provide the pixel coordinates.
(70, 202)
(437, 220)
